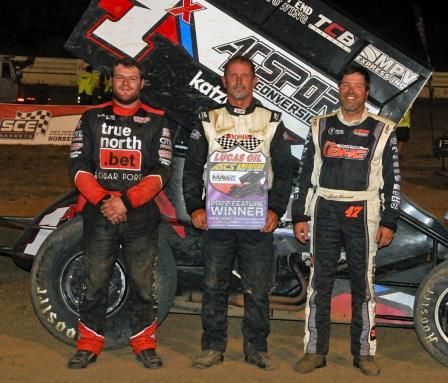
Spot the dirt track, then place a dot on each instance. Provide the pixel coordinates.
(31, 178)
(29, 354)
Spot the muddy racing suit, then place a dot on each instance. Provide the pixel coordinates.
(349, 184)
(256, 129)
(126, 153)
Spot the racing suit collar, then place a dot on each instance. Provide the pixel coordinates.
(125, 111)
(341, 118)
(238, 111)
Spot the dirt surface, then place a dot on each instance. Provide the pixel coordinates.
(32, 177)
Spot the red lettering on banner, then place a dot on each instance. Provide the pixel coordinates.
(331, 28)
(120, 159)
(331, 149)
(185, 10)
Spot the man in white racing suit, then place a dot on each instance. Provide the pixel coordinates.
(349, 196)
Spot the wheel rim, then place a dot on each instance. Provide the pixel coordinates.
(441, 315)
(72, 285)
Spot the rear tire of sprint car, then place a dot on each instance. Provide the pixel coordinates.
(431, 313)
(57, 285)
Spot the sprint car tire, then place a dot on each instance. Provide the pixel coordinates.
(57, 285)
(431, 313)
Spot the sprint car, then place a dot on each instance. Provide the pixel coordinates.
(411, 273)
(298, 48)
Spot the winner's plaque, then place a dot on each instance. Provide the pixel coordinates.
(237, 190)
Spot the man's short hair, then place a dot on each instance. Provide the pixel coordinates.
(239, 59)
(351, 69)
(129, 63)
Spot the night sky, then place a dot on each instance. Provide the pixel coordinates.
(41, 27)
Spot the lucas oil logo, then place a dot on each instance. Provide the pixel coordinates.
(386, 67)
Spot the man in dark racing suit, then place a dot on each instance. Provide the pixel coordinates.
(120, 158)
(349, 195)
(245, 122)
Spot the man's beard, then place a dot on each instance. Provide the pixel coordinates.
(353, 107)
(239, 93)
(127, 101)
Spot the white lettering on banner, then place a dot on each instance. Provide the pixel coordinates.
(121, 143)
(283, 77)
(126, 33)
(239, 211)
(333, 32)
(297, 10)
(131, 177)
(116, 142)
(386, 67)
(106, 175)
(295, 13)
(115, 130)
(287, 83)
(207, 89)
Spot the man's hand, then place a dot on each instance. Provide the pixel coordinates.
(199, 219)
(271, 222)
(114, 210)
(119, 219)
(384, 236)
(301, 231)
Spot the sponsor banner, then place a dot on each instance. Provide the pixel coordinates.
(386, 67)
(350, 152)
(329, 40)
(237, 190)
(120, 159)
(184, 46)
(38, 124)
(286, 83)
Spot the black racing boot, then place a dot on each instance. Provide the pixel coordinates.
(208, 358)
(367, 364)
(82, 359)
(150, 358)
(259, 359)
(310, 362)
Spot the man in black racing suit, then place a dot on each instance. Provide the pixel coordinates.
(120, 158)
(244, 122)
(349, 195)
